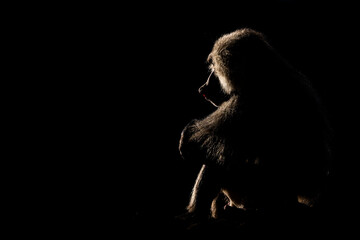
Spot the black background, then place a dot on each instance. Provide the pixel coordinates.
(120, 83)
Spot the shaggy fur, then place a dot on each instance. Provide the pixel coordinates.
(269, 140)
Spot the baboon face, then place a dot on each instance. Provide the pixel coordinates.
(212, 91)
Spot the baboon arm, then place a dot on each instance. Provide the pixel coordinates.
(206, 188)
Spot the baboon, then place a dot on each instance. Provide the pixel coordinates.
(266, 145)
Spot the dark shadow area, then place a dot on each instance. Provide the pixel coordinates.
(123, 86)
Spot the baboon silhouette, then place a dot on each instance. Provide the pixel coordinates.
(266, 146)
